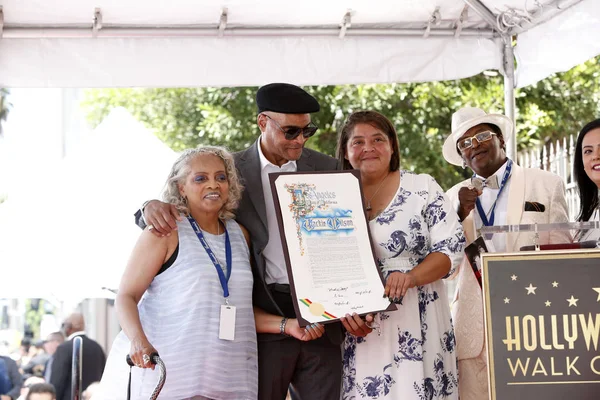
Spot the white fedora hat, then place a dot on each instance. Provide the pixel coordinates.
(466, 118)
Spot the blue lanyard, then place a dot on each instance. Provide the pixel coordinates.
(224, 280)
(502, 185)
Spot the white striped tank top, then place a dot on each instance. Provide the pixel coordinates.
(180, 316)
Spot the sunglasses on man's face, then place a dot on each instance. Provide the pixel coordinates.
(293, 132)
(480, 137)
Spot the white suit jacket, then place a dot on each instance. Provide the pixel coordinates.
(526, 185)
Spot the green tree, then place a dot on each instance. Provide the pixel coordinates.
(559, 105)
(181, 117)
(188, 117)
(34, 311)
(5, 107)
(421, 112)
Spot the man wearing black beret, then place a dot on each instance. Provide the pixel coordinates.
(308, 359)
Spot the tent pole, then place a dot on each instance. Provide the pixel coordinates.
(38, 32)
(509, 96)
(508, 57)
(543, 14)
(484, 12)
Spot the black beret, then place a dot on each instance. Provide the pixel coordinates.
(286, 99)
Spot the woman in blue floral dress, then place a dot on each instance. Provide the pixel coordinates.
(418, 241)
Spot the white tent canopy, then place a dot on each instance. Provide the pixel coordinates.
(568, 39)
(79, 241)
(127, 43)
(251, 42)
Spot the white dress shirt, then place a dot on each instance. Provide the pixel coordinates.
(276, 271)
(487, 199)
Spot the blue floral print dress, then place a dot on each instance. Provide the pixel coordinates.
(412, 354)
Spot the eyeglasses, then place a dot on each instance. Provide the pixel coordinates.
(293, 132)
(467, 143)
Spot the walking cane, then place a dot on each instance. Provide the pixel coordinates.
(76, 367)
(156, 360)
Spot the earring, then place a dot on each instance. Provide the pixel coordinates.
(464, 164)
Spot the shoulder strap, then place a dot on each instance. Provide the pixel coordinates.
(169, 262)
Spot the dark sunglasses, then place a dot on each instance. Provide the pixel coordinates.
(293, 132)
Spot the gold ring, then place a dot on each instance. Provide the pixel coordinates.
(146, 358)
(150, 227)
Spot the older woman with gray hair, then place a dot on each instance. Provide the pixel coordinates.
(188, 296)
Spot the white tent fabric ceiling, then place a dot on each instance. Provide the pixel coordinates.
(559, 44)
(178, 43)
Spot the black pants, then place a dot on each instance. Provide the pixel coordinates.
(313, 369)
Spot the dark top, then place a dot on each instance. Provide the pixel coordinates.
(93, 360)
(15, 377)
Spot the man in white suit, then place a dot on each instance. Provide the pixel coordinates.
(506, 194)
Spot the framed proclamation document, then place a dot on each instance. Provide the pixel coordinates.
(327, 245)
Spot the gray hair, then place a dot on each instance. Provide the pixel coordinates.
(181, 169)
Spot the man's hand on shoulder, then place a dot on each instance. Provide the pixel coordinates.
(161, 218)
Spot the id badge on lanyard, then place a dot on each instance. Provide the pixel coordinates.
(227, 316)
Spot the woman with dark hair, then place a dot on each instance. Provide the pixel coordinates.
(586, 167)
(418, 241)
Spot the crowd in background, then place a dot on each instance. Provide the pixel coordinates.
(42, 370)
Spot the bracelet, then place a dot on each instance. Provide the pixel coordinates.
(282, 326)
(142, 211)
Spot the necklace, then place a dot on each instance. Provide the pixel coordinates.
(368, 206)
(218, 228)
